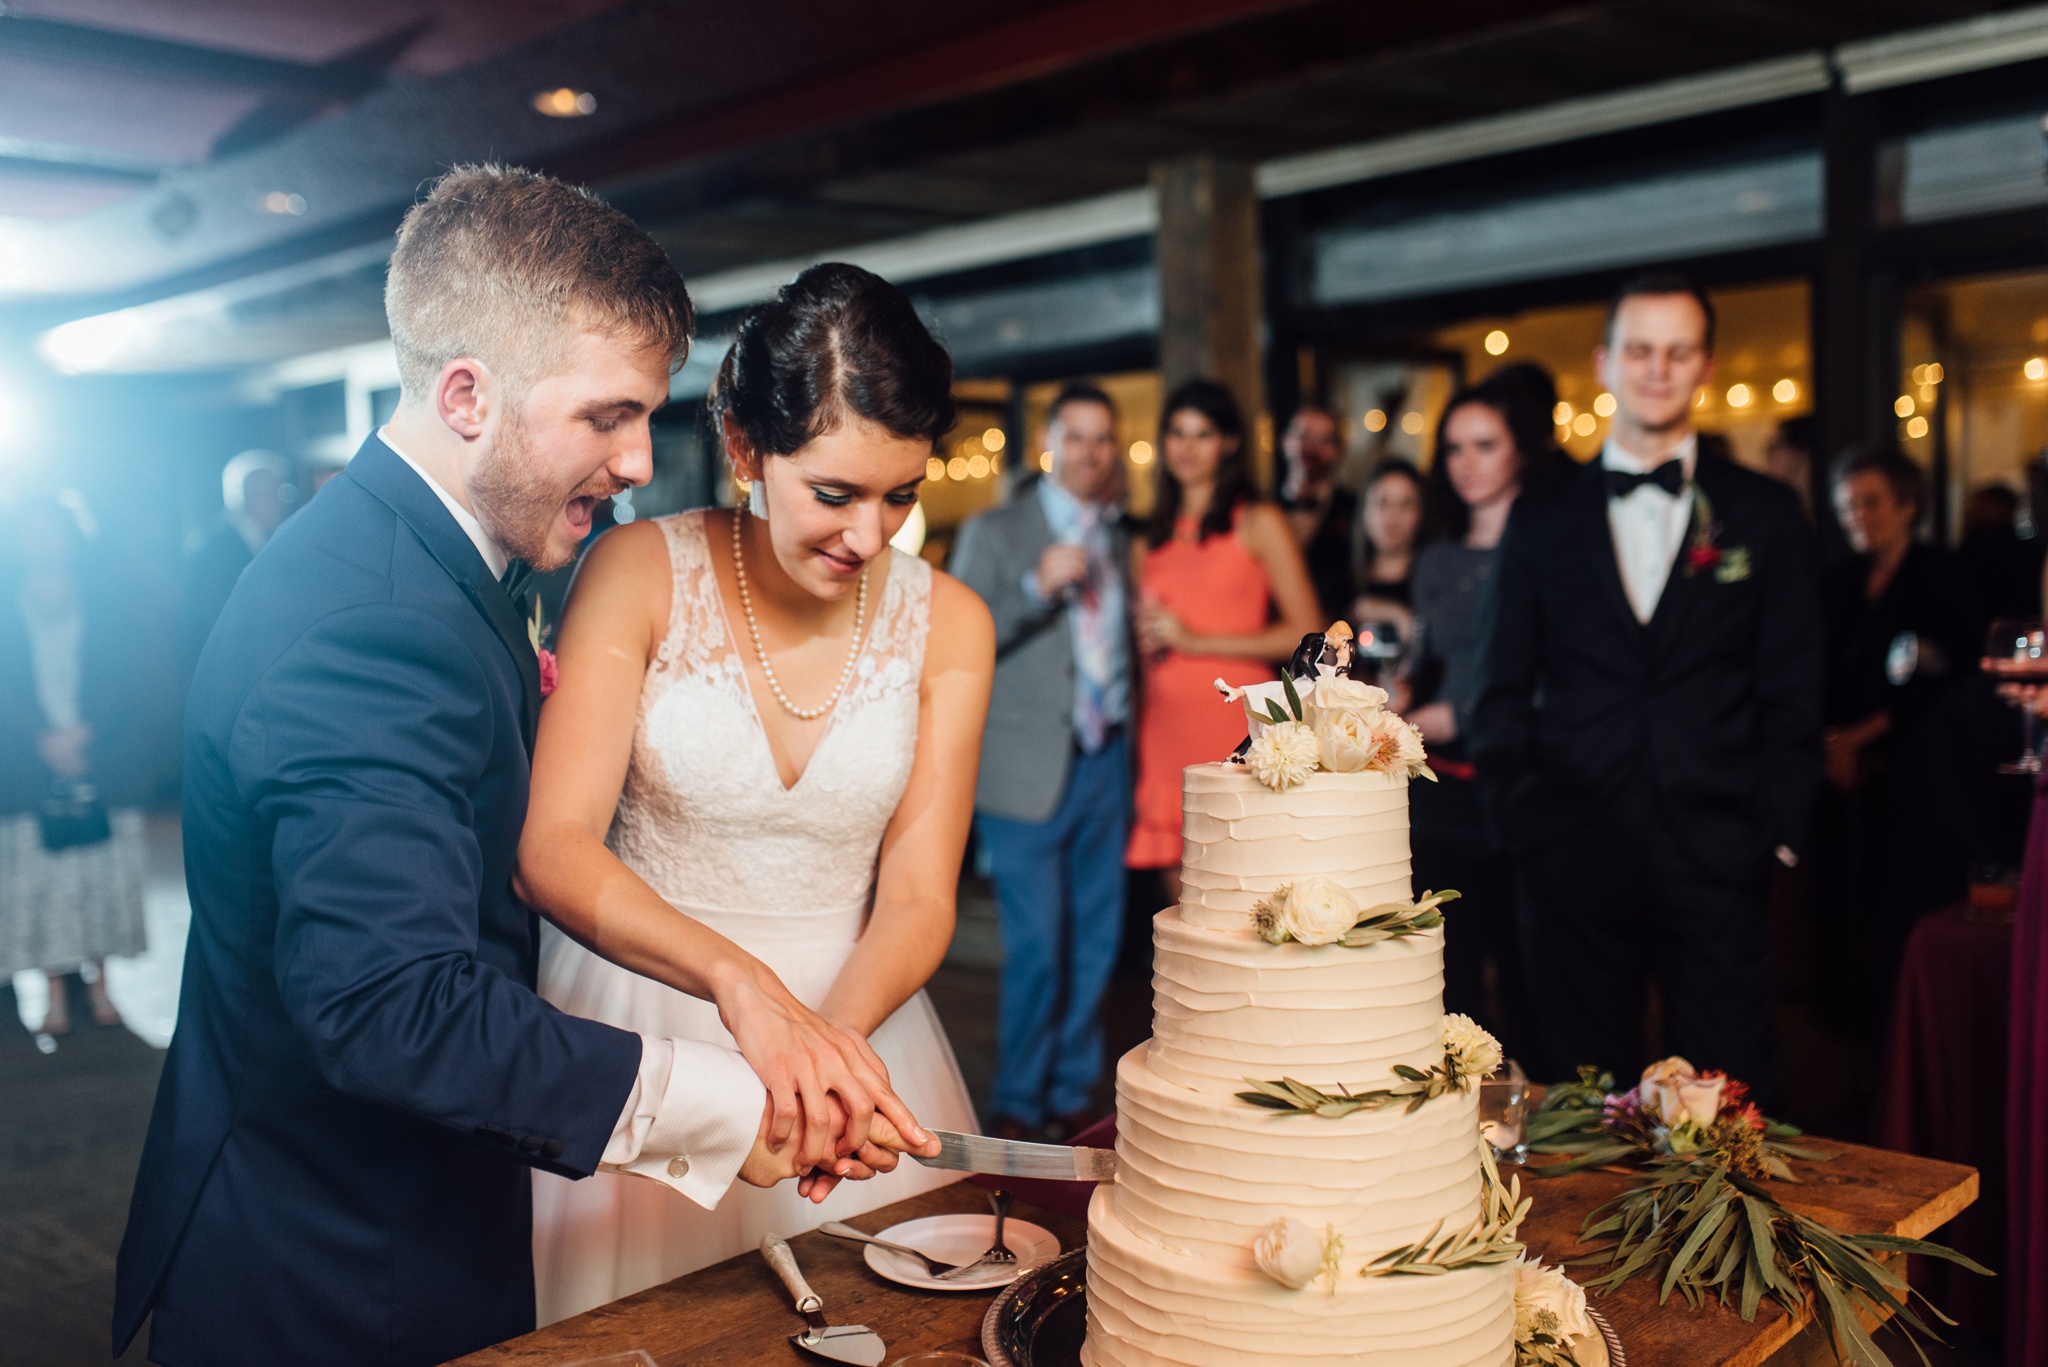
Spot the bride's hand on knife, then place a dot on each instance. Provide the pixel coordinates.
(820, 1076)
(767, 1164)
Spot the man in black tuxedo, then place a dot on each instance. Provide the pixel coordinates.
(338, 1167)
(1649, 714)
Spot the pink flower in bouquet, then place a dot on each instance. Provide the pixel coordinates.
(548, 674)
(1674, 1092)
(1703, 557)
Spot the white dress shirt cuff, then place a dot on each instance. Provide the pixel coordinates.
(1031, 593)
(690, 1120)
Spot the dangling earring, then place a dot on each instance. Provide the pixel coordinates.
(757, 499)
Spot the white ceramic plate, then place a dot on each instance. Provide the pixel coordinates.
(960, 1239)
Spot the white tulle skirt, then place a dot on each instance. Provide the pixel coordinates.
(608, 1235)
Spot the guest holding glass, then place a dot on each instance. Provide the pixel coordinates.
(1489, 444)
(82, 749)
(1319, 509)
(1389, 533)
(1222, 593)
(1052, 805)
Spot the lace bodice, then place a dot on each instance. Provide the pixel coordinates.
(704, 817)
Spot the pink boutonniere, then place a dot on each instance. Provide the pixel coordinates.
(548, 674)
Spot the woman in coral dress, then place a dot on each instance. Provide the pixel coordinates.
(1222, 593)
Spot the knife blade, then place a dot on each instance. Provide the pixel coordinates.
(855, 1343)
(1014, 1158)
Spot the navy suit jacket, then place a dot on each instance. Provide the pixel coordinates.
(337, 1167)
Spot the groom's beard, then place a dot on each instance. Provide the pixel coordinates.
(518, 502)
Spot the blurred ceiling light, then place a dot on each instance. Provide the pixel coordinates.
(1562, 414)
(1045, 461)
(1496, 342)
(281, 202)
(934, 468)
(1738, 396)
(1411, 423)
(993, 439)
(564, 103)
(1934, 373)
(89, 344)
(956, 468)
(1919, 374)
(1903, 405)
(1604, 405)
(2035, 368)
(1917, 427)
(1584, 424)
(1784, 391)
(1141, 453)
(977, 466)
(1376, 421)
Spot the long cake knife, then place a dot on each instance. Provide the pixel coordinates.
(1013, 1158)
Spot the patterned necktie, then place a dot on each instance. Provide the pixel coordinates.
(1093, 642)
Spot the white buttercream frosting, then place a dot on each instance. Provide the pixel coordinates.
(1201, 1174)
(1226, 1006)
(1241, 840)
(1151, 1307)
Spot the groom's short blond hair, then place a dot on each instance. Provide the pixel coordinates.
(505, 265)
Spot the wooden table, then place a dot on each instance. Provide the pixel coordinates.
(736, 1314)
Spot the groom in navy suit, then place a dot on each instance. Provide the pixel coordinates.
(337, 1167)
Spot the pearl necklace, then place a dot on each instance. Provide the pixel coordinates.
(860, 613)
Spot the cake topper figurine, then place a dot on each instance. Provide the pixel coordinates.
(1330, 653)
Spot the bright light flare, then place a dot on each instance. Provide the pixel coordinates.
(89, 344)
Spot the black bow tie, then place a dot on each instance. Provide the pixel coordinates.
(1670, 477)
(518, 578)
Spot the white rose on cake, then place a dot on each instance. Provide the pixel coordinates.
(1345, 742)
(1316, 911)
(1548, 1302)
(1283, 756)
(1335, 696)
(1293, 1254)
(1472, 1052)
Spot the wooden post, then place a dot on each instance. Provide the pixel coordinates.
(1209, 295)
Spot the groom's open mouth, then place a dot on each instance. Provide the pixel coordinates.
(578, 512)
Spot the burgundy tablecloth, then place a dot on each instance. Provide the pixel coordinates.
(1945, 1089)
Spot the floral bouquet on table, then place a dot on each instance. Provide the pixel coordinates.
(1704, 1217)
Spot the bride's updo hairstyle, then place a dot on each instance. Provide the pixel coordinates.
(837, 340)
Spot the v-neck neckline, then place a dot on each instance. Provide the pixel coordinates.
(746, 682)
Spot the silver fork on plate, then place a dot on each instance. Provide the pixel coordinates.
(933, 1267)
(998, 1256)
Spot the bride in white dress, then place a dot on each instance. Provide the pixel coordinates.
(786, 716)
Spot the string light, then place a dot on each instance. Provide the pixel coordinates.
(1562, 414)
(1375, 420)
(956, 468)
(1045, 461)
(934, 469)
(1584, 424)
(1917, 428)
(994, 438)
(1603, 404)
(1903, 405)
(1411, 422)
(977, 466)
(1784, 391)
(1738, 396)
(2035, 368)
(1141, 453)
(1496, 342)
(564, 103)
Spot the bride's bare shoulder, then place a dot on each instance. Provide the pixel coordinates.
(962, 635)
(626, 574)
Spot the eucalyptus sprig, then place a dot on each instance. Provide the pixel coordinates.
(1396, 919)
(1715, 1232)
(1416, 1087)
(1490, 1240)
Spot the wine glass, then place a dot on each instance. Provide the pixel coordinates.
(2016, 652)
(1380, 642)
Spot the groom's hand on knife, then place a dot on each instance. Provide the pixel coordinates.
(766, 1164)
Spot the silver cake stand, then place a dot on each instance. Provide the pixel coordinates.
(1040, 1319)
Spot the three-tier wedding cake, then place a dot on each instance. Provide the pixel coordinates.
(1242, 1231)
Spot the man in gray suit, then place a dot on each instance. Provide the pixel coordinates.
(1052, 808)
